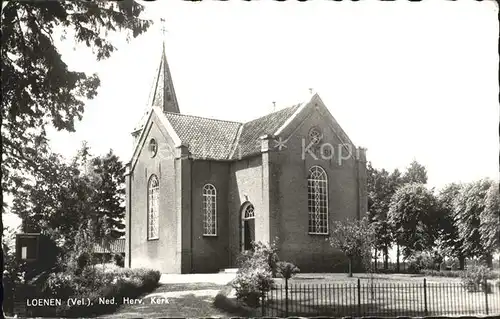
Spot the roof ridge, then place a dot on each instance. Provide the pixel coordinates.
(277, 111)
(203, 117)
(236, 142)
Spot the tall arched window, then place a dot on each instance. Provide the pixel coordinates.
(153, 207)
(317, 199)
(209, 210)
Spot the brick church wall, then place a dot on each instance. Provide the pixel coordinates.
(245, 185)
(210, 253)
(161, 253)
(311, 253)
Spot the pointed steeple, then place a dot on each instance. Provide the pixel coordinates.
(163, 87)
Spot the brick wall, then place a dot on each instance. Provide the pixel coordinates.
(311, 252)
(159, 254)
(210, 253)
(245, 185)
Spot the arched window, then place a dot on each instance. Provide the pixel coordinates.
(153, 207)
(249, 212)
(209, 210)
(317, 199)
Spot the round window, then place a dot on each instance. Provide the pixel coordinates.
(315, 136)
(153, 147)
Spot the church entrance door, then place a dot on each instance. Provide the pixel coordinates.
(247, 227)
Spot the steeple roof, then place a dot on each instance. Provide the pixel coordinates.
(163, 94)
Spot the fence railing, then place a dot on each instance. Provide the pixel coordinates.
(380, 299)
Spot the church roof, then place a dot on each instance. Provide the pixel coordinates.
(249, 140)
(225, 140)
(208, 138)
(205, 137)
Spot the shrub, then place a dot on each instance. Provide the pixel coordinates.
(119, 260)
(256, 273)
(421, 261)
(251, 283)
(95, 283)
(287, 269)
(474, 277)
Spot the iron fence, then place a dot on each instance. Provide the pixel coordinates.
(380, 299)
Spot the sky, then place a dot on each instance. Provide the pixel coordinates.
(404, 80)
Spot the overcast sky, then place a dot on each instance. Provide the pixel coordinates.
(405, 80)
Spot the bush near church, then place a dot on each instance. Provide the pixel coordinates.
(255, 274)
(474, 278)
(98, 282)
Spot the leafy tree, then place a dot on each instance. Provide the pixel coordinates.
(109, 198)
(449, 241)
(490, 220)
(38, 89)
(470, 204)
(381, 186)
(415, 173)
(413, 217)
(87, 189)
(355, 238)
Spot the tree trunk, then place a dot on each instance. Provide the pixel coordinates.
(489, 260)
(376, 259)
(350, 266)
(386, 257)
(461, 261)
(397, 257)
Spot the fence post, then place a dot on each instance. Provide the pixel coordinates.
(359, 297)
(263, 306)
(425, 297)
(486, 294)
(286, 297)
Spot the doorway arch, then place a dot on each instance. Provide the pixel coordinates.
(247, 226)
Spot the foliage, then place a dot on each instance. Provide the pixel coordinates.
(381, 186)
(490, 220)
(287, 269)
(13, 271)
(469, 206)
(98, 282)
(119, 260)
(255, 274)
(415, 173)
(261, 253)
(449, 241)
(87, 189)
(475, 276)
(423, 261)
(355, 238)
(413, 216)
(38, 88)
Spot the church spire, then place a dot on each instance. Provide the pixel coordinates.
(163, 87)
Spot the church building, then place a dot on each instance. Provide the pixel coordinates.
(201, 190)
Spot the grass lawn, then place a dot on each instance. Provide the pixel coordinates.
(193, 300)
(394, 294)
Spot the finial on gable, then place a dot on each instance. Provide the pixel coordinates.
(163, 87)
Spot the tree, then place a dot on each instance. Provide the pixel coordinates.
(355, 238)
(87, 189)
(415, 173)
(413, 217)
(38, 89)
(470, 204)
(109, 198)
(449, 241)
(490, 220)
(381, 186)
